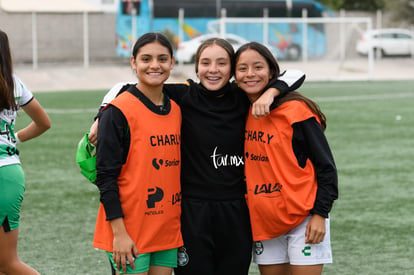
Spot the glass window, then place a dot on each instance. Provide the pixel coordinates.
(402, 36)
(386, 35)
(129, 6)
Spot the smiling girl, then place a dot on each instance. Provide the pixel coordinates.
(290, 173)
(138, 222)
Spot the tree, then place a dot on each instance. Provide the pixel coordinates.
(365, 5)
(402, 10)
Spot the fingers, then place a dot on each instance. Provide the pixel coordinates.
(314, 236)
(123, 264)
(135, 255)
(318, 238)
(131, 261)
(123, 259)
(315, 229)
(260, 111)
(92, 139)
(307, 234)
(117, 260)
(93, 132)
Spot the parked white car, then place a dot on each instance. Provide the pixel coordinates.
(187, 49)
(387, 42)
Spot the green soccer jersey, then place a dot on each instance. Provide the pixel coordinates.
(8, 152)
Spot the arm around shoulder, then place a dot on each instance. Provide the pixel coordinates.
(287, 81)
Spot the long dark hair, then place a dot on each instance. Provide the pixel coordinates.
(311, 104)
(7, 100)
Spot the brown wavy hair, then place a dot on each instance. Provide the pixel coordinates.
(7, 100)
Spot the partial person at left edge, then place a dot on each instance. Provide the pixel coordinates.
(13, 96)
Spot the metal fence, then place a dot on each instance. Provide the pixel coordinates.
(89, 38)
(61, 37)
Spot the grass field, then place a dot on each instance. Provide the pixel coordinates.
(371, 133)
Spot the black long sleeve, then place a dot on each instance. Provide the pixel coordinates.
(113, 143)
(310, 142)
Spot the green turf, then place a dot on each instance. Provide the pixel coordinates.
(374, 152)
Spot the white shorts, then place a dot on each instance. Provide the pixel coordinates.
(291, 248)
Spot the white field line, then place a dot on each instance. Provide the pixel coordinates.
(71, 111)
(317, 99)
(391, 95)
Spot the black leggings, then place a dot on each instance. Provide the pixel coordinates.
(217, 238)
